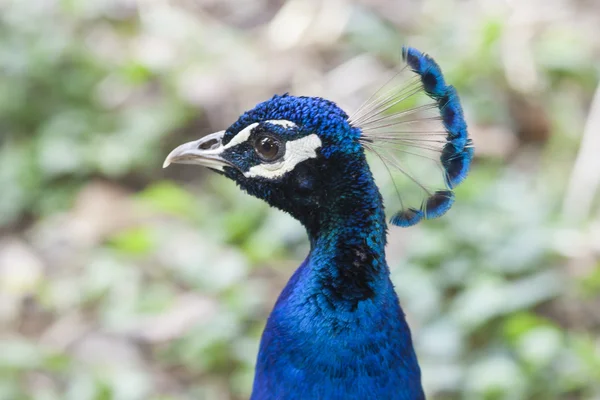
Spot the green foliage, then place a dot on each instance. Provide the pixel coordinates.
(135, 241)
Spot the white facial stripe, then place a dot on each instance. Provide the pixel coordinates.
(241, 137)
(245, 133)
(296, 151)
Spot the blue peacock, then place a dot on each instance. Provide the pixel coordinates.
(337, 330)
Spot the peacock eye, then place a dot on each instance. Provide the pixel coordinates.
(268, 148)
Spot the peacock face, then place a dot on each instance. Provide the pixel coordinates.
(279, 151)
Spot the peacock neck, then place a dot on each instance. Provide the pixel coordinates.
(348, 250)
(348, 236)
(337, 330)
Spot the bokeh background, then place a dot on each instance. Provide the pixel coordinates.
(120, 280)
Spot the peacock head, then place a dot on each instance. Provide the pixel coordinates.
(286, 151)
(305, 155)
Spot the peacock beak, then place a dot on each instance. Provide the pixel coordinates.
(206, 151)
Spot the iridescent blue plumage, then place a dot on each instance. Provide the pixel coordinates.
(407, 217)
(427, 68)
(337, 330)
(454, 156)
(456, 163)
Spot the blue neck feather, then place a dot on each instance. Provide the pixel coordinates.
(337, 330)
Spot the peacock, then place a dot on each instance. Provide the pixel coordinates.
(337, 330)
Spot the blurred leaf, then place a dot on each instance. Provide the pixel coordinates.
(520, 323)
(136, 241)
(136, 73)
(19, 354)
(587, 349)
(590, 283)
(172, 199)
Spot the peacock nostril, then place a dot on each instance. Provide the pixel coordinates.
(209, 144)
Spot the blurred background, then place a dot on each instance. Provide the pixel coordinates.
(123, 281)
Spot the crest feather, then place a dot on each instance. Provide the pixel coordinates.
(417, 128)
